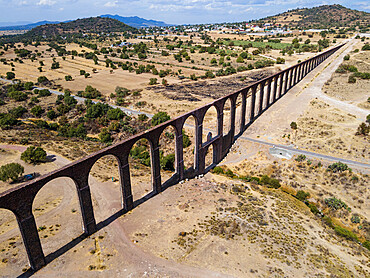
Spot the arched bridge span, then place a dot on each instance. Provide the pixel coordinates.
(261, 95)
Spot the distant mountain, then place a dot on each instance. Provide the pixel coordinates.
(136, 21)
(27, 26)
(325, 16)
(6, 24)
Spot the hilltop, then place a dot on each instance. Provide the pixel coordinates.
(88, 25)
(319, 17)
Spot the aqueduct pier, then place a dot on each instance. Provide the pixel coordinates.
(260, 96)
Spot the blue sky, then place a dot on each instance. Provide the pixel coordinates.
(170, 11)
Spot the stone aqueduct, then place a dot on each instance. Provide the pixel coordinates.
(262, 95)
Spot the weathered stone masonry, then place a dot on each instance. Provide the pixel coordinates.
(261, 94)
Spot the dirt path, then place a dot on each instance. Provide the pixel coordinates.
(271, 124)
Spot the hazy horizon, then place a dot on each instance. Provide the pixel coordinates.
(171, 12)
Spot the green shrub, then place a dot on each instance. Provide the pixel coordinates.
(366, 47)
(142, 117)
(313, 208)
(327, 220)
(218, 170)
(270, 182)
(240, 60)
(335, 203)
(280, 60)
(293, 125)
(43, 92)
(115, 114)
(33, 155)
(352, 68)
(346, 58)
(153, 81)
(355, 219)
(338, 167)
(105, 136)
(42, 80)
(68, 78)
(91, 92)
(18, 111)
(300, 158)
(185, 140)
(366, 244)
(159, 118)
(140, 152)
(351, 79)
(340, 70)
(7, 120)
(37, 111)
(17, 96)
(230, 173)
(28, 86)
(167, 162)
(10, 75)
(363, 129)
(11, 171)
(345, 233)
(302, 195)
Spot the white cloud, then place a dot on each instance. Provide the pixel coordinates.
(111, 4)
(46, 3)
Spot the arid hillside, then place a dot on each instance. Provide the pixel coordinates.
(325, 16)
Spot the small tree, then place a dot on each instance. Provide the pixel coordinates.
(42, 80)
(142, 117)
(302, 195)
(159, 118)
(351, 79)
(363, 129)
(105, 136)
(51, 114)
(37, 111)
(28, 86)
(293, 125)
(11, 171)
(240, 60)
(153, 81)
(68, 78)
(167, 162)
(33, 155)
(10, 75)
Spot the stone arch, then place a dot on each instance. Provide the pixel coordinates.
(167, 153)
(210, 123)
(239, 116)
(226, 121)
(57, 213)
(209, 158)
(105, 172)
(258, 100)
(141, 168)
(12, 248)
(189, 131)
